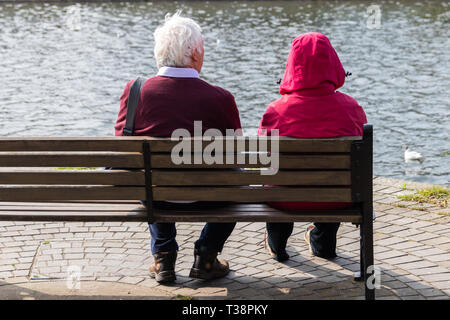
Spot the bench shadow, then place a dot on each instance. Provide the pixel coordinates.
(314, 279)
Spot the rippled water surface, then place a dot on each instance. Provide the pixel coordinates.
(63, 66)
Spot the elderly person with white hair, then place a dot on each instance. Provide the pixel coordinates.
(174, 99)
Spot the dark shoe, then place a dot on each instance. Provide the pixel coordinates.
(163, 268)
(207, 266)
(308, 241)
(280, 256)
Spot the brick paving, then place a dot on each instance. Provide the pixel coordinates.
(412, 249)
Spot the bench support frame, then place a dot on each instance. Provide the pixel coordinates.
(148, 181)
(362, 193)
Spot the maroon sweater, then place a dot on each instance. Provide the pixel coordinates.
(168, 103)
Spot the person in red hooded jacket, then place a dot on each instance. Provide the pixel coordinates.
(310, 107)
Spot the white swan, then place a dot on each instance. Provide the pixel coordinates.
(412, 155)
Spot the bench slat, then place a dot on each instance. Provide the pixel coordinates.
(111, 205)
(105, 205)
(134, 144)
(287, 161)
(237, 194)
(46, 193)
(158, 161)
(252, 194)
(49, 177)
(71, 159)
(172, 217)
(236, 216)
(233, 212)
(120, 144)
(231, 177)
(67, 215)
(286, 144)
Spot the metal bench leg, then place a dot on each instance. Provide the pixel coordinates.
(367, 252)
(359, 275)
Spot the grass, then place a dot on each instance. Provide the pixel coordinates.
(418, 208)
(401, 205)
(181, 297)
(441, 213)
(434, 195)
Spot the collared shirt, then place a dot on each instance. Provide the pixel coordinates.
(178, 72)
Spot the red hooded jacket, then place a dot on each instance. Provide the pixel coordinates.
(310, 106)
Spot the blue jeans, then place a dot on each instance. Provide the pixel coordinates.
(212, 237)
(322, 239)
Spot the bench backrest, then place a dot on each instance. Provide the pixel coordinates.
(319, 170)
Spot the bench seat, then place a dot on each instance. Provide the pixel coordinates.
(134, 211)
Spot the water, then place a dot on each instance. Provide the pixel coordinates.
(63, 66)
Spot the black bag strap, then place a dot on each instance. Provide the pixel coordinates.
(133, 99)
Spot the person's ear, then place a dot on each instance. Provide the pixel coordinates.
(195, 55)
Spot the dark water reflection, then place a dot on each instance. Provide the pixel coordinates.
(59, 77)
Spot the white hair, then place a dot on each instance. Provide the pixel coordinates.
(176, 40)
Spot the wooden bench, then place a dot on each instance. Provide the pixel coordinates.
(34, 188)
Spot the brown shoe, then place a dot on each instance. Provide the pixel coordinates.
(308, 238)
(163, 267)
(207, 266)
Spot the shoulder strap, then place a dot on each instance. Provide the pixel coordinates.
(133, 99)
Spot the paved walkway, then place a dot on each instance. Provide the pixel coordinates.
(412, 248)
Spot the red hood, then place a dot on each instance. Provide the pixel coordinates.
(312, 64)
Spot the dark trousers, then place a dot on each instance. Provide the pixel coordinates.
(323, 237)
(212, 237)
